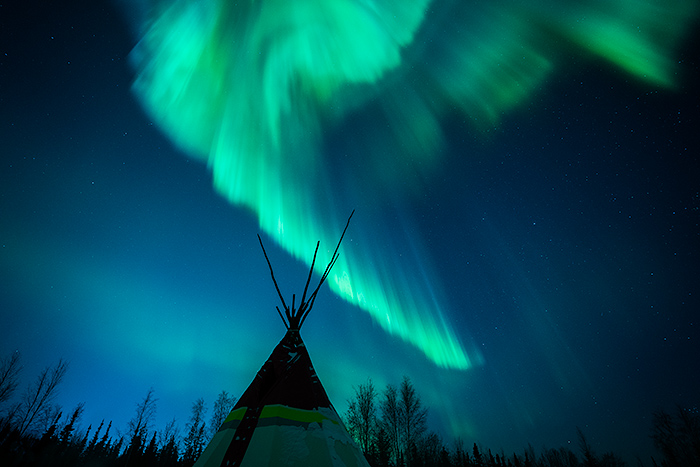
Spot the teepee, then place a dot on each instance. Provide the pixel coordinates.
(285, 418)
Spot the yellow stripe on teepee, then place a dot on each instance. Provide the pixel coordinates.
(298, 415)
(236, 414)
(282, 411)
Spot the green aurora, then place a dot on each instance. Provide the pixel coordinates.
(260, 89)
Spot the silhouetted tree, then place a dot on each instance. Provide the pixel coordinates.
(195, 439)
(589, 458)
(140, 424)
(529, 456)
(490, 460)
(412, 415)
(103, 446)
(169, 454)
(431, 450)
(397, 439)
(223, 405)
(65, 436)
(10, 368)
(445, 458)
(78, 447)
(382, 454)
(47, 446)
(91, 446)
(677, 438)
(561, 457)
(150, 455)
(38, 398)
(50, 415)
(609, 459)
(460, 455)
(391, 421)
(115, 449)
(478, 460)
(362, 416)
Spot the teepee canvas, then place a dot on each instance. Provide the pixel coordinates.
(285, 418)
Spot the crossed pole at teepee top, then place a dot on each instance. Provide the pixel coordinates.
(295, 316)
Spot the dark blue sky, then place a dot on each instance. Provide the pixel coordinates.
(564, 240)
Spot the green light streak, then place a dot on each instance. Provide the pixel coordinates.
(253, 88)
(637, 36)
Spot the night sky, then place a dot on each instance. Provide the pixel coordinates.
(563, 243)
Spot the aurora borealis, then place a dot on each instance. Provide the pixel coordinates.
(524, 177)
(256, 88)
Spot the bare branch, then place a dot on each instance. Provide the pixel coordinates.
(145, 413)
(40, 395)
(9, 372)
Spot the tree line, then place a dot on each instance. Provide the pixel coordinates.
(35, 431)
(389, 426)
